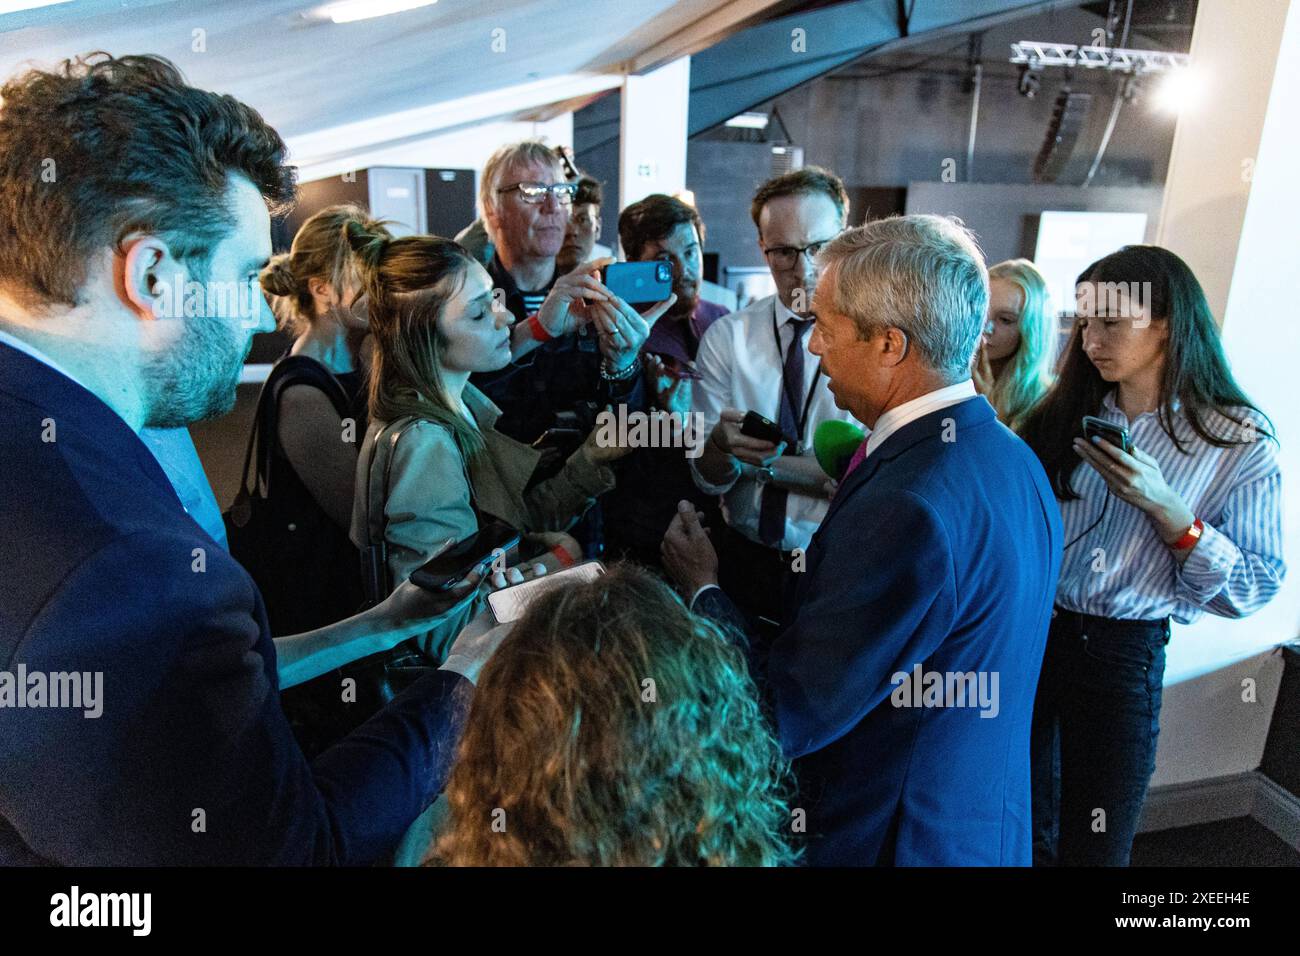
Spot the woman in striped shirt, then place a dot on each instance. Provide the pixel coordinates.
(1188, 521)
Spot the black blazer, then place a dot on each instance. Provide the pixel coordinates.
(191, 760)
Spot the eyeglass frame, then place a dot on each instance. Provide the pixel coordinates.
(797, 251)
(569, 189)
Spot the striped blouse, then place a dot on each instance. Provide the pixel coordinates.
(1122, 569)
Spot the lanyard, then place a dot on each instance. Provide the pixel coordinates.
(812, 389)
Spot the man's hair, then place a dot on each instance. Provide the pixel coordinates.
(802, 182)
(102, 147)
(589, 192)
(527, 151)
(561, 737)
(652, 219)
(922, 274)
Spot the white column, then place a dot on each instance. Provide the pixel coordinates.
(1231, 210)
(652, 135)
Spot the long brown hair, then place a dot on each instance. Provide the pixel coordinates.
(1196, 372)
(408, 283)
(320, 250)
(614, 727)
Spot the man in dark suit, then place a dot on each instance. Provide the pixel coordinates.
(903, 684)
(140, 720)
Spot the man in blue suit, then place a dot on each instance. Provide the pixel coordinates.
(902, 686)
(140, 720)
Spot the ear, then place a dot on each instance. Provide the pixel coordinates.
(597, 232)
(144, 274)
(322, 290)
(893, 347)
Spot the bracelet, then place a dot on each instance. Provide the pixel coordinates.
(1190, 536)
(537, 330)
(565, 559)
(622, 376)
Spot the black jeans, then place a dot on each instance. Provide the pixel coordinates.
(1093, 744)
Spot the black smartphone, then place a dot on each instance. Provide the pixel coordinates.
(1094, 427)
(756, 426)
(472, 554)
(640, 283)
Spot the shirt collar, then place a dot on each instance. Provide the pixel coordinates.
(900, 415)
(784, 314)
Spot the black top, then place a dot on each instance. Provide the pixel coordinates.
(305, 564)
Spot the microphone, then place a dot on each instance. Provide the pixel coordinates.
(834, 443)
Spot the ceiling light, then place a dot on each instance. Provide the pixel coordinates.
(13, 6)
(349, 11)
(749, 121)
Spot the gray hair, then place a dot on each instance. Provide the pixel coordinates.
(528, 151)
(922, 274)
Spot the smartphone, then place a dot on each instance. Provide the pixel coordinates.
(472, 554)
(756, 426)
(1100, 428)
(509, 604)
(640, 283)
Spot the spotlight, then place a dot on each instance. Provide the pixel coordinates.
(1180, 89)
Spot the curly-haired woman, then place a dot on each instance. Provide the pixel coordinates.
(614, 728)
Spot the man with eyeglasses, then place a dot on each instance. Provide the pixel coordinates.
(551, 395)
(757, 359)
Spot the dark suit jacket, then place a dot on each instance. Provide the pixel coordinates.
(938, 553)
(192, 760)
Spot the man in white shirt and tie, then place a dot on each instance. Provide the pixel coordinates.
(758, 360)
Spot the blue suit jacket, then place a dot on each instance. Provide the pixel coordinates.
(192, 760)
(941, 550)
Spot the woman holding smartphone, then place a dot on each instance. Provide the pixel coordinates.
(1187, 522)
(433, 466)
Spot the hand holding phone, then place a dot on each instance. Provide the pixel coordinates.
(475, 553)
(762, 428)
(509, 604)
(1094, 427)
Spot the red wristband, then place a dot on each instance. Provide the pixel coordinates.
(537, 330)
(1190, 536)
(565, 559)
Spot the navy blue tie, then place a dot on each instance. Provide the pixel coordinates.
(771, 512)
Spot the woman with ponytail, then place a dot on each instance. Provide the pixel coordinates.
(289, 524)
(1187, 520)
(433, 466)
(1013, 365)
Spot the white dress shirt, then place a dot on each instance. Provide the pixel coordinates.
(740, 365)
(900, 415)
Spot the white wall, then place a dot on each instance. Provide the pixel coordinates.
(1239, 235)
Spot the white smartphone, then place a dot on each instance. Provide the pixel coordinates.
(509, 604)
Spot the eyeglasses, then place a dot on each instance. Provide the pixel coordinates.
(786, 257)
(536, 192)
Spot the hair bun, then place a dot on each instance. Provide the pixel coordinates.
(368, 244)
(278, 278)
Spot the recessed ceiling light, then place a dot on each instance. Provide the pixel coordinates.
(349, 11)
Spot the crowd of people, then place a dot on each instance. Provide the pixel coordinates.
(943, 645)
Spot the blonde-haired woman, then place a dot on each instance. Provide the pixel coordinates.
(289, 525)
(1013, 365)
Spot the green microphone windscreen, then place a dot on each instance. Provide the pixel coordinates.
(834, 443)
